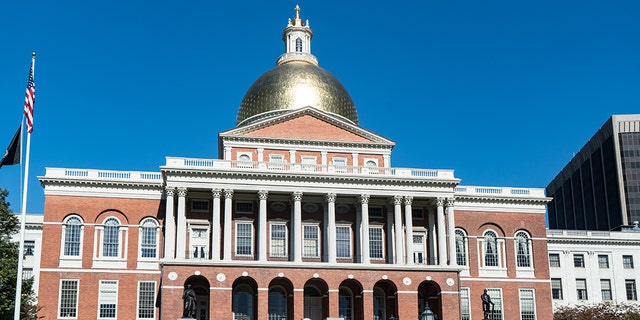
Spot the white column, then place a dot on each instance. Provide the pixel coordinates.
(451, 231)
(397, 212)
(390, 235)
(323, 158)
(297, 226)
(330, 227)
(215, 225)
(169, 226)
(354, 160)
(262, 225)
(387, 160)
(260, 154)
(431, 237)
(364, 240)
(408, 220)
(227, 153)
(292, 156)
(228, 206)
(442, 244)
(181, 237)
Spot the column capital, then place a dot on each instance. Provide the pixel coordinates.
(364, 198)
(331, 197)
(169, 191)
(408, 200)
(228, 193)
(262, 194)
(439, 202)
(296, 196)
(182, 192)
(216, 193)
(450, 202)
(397, 200)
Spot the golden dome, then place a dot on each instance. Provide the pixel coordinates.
(295, 85)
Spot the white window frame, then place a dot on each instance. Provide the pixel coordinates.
(586, 289)
(602, 289)
(371, 166)
(244, 163)
(496, 271)
(309, 163)
(194, 208)
(317, 240)
(523, 301)
(465, 247)
(119, 261)
(276, 161)
(141, 229)
(339, 164)
(153, 298)
(237, 224)
(529, 247)
(348, 227)
(498, 302)
(73, 261)
(199, 242)
(77, 293)
(105, 285)
(465, 304)
(381, 241)
(285, 244)
(559, 281)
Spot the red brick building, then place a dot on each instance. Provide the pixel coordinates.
(301, 217)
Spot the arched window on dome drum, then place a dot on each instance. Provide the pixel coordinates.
(110, 242)
(72, 233)
(523, 249)
(490, 249)
(298, 45)
(461, 247)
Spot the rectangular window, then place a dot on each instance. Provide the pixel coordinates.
(276, 162)
(496, 298)
(603, 261)
(581, 289)
(627, 262)
(605, 289)
(29, 247)
(308, 163)
(311, 248)
(578, 260)
(244, 207)
(199, 205)
(107, 299)
(527, 304)
(556, 288)
(146, 300)
(343, 242)
(554, 260)
(244, 239)
(68, 299)
(27, 273)
(376, 244)
(375, 212)
(465, 306)
(417, 214)
(630, 286)
(340, 164)
(278, 240)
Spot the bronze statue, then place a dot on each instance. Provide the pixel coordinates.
(487, 305)
(189, 297)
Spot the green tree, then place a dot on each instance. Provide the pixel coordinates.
(601, 311)
(10, 225)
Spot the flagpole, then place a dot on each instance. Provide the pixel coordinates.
(23, 216)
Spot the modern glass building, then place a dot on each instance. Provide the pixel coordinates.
(599, 189)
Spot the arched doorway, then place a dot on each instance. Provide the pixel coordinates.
(315, 300)
(200, 285)
(429, 292)
(350, 300)
(385, 302)
(244, 304)
(280, 299)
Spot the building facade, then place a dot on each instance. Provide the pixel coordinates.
(599, 189)
(32, 248)
(301, 216)
(594, 266)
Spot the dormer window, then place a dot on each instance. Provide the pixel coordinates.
(298, 45)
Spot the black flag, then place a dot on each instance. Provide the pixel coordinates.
(13, 154)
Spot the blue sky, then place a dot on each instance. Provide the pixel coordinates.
(503, 92)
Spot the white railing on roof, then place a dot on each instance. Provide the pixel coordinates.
(191, 163)
(578, 233)
(507, 191)
(103, 174)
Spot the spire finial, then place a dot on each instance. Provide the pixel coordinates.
(297, 21)
(297, 12)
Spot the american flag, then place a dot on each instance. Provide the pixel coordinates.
(30, 100)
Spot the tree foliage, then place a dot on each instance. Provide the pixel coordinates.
(601, 311)
(10, 225)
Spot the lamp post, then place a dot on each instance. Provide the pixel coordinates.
(427, 314)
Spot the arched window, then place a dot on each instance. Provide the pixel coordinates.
(149, 238)
(298, 45)
(111, 238)
(523, 249)
(277, 303)
(72, 229)
(346, 304)
(379, 304)
(490, 249)
(461, 247)
(243, 303)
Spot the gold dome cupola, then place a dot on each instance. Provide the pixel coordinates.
(296, 82)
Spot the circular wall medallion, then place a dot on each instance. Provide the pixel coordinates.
(278, 206)
(428, 278)
(450, 282)
(244, 274)
(172, 275)
(350, 276)
(385, 277)
(197, 273)
(221, 277)
(342, 208)
(280, 274)
(315, 275)
(406, 281)
(310, 207)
